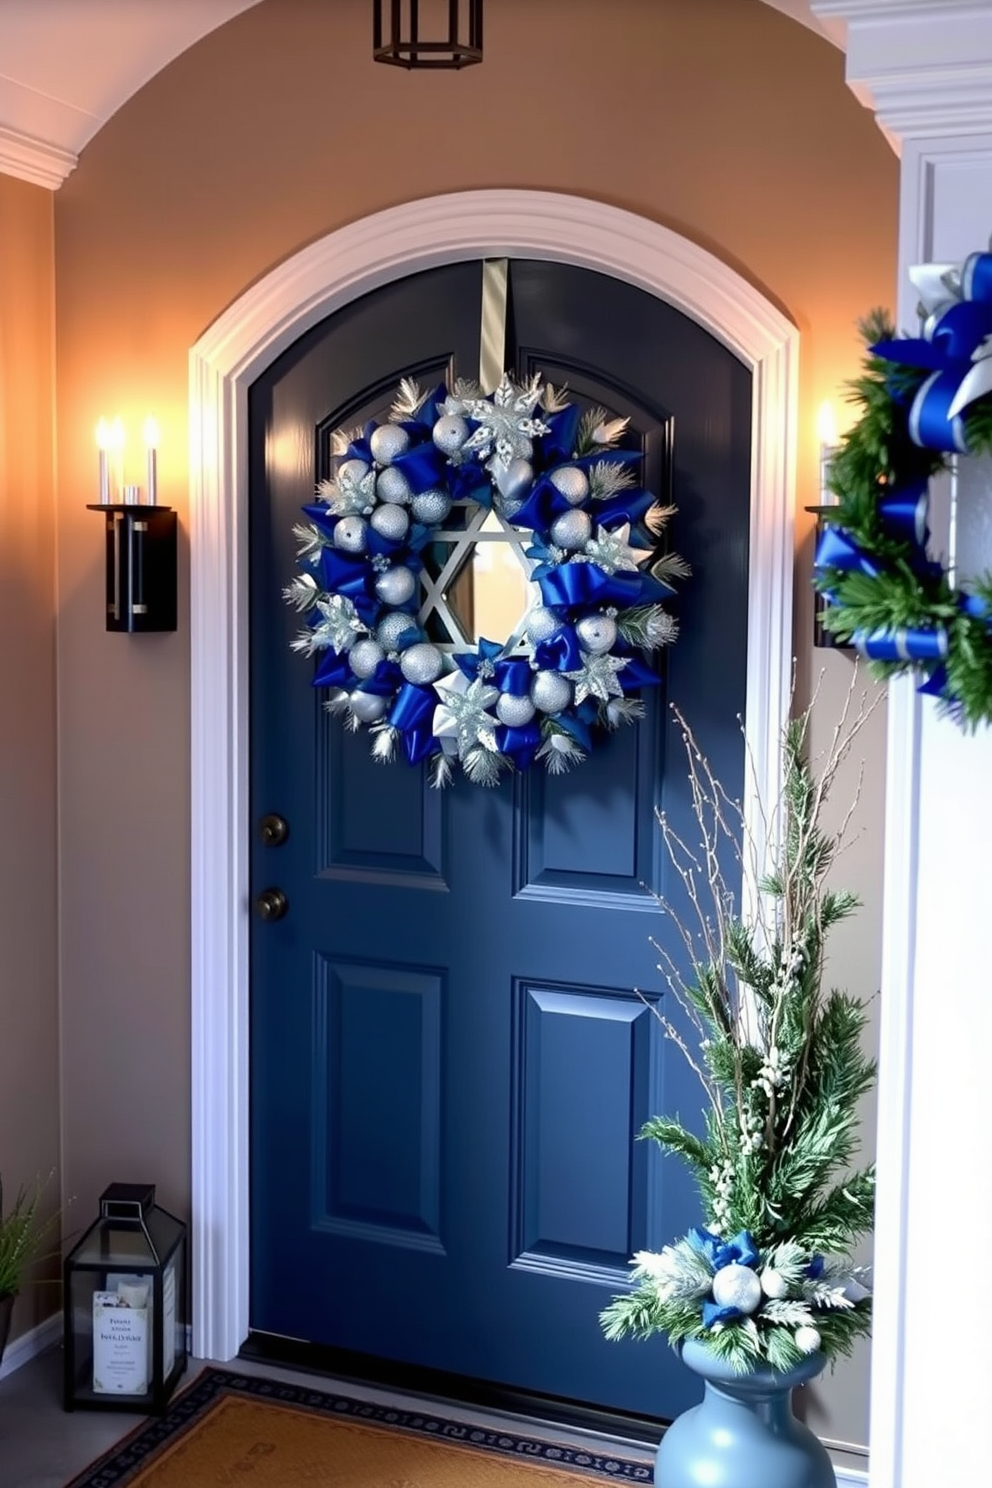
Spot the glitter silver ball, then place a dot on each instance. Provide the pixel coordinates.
(550, 692)
(515, 480)
(392, 485)
(774, 1284)
(364, 657)
(421, 663)
(450, 433)
(395, 586)
(737, 1286)
(431, 507)
(514, 711)
(391, 522)
(391, 627)
(541, 623)
(572, 482)
(368, 707)
(352, 471)
(349, 535)
(387, 442)
(572, 529)
(596, 633)
(808, 1339)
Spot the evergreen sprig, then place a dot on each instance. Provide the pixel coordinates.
(781, 1060)
(907, 591)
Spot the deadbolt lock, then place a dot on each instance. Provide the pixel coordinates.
(273, 830)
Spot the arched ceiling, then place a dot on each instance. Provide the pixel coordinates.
(67, 65)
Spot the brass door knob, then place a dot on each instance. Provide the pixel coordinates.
(271, 904)
(273, 830)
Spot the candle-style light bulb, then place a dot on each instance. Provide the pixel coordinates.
(150, 434)
(103, 438)
(826, 430)
(116, 453)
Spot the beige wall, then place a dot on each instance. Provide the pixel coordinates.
(719, 118)
(29, 1050)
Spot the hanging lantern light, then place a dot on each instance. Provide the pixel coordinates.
(412, 34)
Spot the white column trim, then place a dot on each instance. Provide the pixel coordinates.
(266, 319)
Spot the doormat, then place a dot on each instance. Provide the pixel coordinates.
(229, 1428)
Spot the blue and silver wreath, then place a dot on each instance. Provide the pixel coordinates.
(417, 486)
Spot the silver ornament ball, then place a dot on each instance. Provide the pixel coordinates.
(450, 433)
(808, 1339)
(571, 482)
(513, 481)
(541, 623)
(350, 472)
(431, 507)
(550, 692)
(737, 1286)
(392, 485)
(391, 627)
(388, 442)
(421, 663)
(364, 657)
(572, 529)
(349, 535)
(596, 633)
(395, 586)
(514, 711)
(391, 522)
(774, 1284)
(368, 707)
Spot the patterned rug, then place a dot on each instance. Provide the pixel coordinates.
(237, 1428)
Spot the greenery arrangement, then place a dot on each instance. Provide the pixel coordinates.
(899, 607)
(389, 534)
(24, 1238)
(770, 1277)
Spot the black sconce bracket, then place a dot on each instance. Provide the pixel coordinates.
(141, 567)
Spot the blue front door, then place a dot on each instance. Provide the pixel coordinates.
(449, 1062)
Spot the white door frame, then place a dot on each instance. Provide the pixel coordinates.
(244, 340)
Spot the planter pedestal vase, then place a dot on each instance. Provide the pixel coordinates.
(743, 1434)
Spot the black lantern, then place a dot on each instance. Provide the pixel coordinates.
(427, 33)
(822, 637)
(125, 1306)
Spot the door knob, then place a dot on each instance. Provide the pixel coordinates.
(271, 904)
(273, 830)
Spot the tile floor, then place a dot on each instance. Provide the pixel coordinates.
(42, 1446)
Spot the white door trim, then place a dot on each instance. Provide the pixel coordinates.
(266, 319)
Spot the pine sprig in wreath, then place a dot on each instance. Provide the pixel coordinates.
(907, 591)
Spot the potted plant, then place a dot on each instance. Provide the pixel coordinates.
(24, 1239)
(765, 1292)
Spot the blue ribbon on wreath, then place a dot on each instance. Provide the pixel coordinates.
(956, 331)
(413, 714)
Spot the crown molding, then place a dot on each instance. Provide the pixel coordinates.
(923, 66)
(34, 160)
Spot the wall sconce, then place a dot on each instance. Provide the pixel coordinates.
(140, 534)
(826, 431)
(398, 34)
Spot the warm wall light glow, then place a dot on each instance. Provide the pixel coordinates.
(103, 435)
(150, 432)
(826, 424)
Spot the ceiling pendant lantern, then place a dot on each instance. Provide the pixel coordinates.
(427, 33)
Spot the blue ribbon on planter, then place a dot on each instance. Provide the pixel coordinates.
(740, 1250)
(907, 643)
(952, 334)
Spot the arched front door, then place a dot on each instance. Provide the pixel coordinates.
(449, 1062)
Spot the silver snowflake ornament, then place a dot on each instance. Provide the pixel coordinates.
(598, 678)
(350, 494)
(461, 715)
(506, 423)
(611, 551)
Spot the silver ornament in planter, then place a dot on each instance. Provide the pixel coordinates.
(392, 485)
(431, 507)
(571, 482)
(391, 522)
(550, 692)
(349, 535)
(572, 529)
(737, 1286)
(391, 627)
(388, 442)
(450, 433)
(596, 633)
(364, 657)
(395, 586)
(541, 623)
(421, 663)
(368, 707)
(514, 711)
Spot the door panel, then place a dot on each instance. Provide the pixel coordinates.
(449, 1062)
